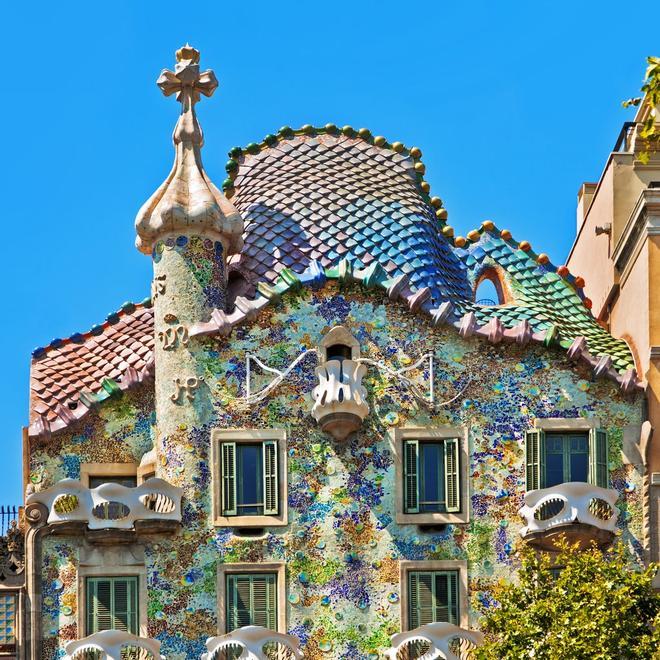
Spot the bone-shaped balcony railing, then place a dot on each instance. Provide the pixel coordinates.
(253, 643)
(113, 645)
(573, 502)
(434, 641)
(340, 399)
(110, 506)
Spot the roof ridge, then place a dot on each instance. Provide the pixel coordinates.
(285, 132)
(125, 309)
(488, 226)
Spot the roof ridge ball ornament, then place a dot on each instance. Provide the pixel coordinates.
(188, 202)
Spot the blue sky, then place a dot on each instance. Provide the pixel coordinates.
(513, 104)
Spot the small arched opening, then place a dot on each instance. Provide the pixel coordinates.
(489, 289)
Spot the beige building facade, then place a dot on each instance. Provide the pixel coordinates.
(617, 251)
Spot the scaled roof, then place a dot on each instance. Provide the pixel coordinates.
(328, 202)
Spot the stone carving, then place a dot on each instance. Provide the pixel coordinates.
(113, 645)
(575, 502)
(12, 554)
(110, 506)
(251, 640)
(187, 202)
(158, 287)
(187, 388)
(340, 402)
(442, 638)
(173, 337)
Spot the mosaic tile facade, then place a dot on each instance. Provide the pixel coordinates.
(342, 546)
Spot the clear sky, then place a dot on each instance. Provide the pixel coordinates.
(514, 105)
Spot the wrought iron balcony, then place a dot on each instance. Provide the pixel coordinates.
(154, 505)
(113, 645)
(340, 399)
(252, 643)
(434, 641)
(579, 511)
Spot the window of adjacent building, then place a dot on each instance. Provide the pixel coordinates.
(432, 596)
(7, 622)
(251, 600)
(98, 480)
(249, 478)
(112, 603)
(432, 476)
(554, 458)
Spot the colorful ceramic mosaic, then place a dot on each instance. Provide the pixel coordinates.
(342, 546)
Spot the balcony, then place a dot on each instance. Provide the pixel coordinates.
(581, 512)
(113, 645)
(434, 641)
(340, 399)
(111, 510)
(253, 643)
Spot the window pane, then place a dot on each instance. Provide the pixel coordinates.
(250, 479)
(128, 481)
(554, 469)
(432, 464)
(251, 600)
(579, 467)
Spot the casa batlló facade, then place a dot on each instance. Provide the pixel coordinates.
(310, 438)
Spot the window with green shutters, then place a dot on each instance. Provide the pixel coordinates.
(251, 600)
(555, 458)
(112, 604)
(249, 478)
(432, 596)
(431, 476)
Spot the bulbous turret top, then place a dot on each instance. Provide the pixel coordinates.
(187, 202)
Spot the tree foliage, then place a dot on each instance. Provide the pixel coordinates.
(595, 608)
(651, 89)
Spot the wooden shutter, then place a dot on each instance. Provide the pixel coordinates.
(411, 476)
(99, 605)
(452, 591)
(228, 469)
(598, 458)
(112, 603)
(252, 600)
(271, 488)
(535, 459)
(421, 590)
(452, 475)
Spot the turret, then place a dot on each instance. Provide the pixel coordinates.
(190, 228)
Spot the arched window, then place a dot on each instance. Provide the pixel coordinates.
(489, 289)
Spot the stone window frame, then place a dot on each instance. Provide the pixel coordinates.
(111, 566)
(397, 438)
(245, 436)
(88, 470)
(339, 334)
(277, 567)
(459, 565)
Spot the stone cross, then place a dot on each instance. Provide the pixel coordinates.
(187, 83)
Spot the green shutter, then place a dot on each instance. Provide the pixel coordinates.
(535, 459)
(252, 601)
(598, 469)
(452, 475)
(228, 470)
(432, 596)
(411, 476)
(271, 489)
(112, 603)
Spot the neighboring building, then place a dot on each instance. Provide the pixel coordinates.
(310, 425)
(617, 250)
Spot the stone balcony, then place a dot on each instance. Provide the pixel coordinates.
(340, 399)
(253, 643)
(581, 512)
(111, 511)
(434, 641)
(113, 645)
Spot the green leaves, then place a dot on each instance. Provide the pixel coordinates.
(583, 605)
